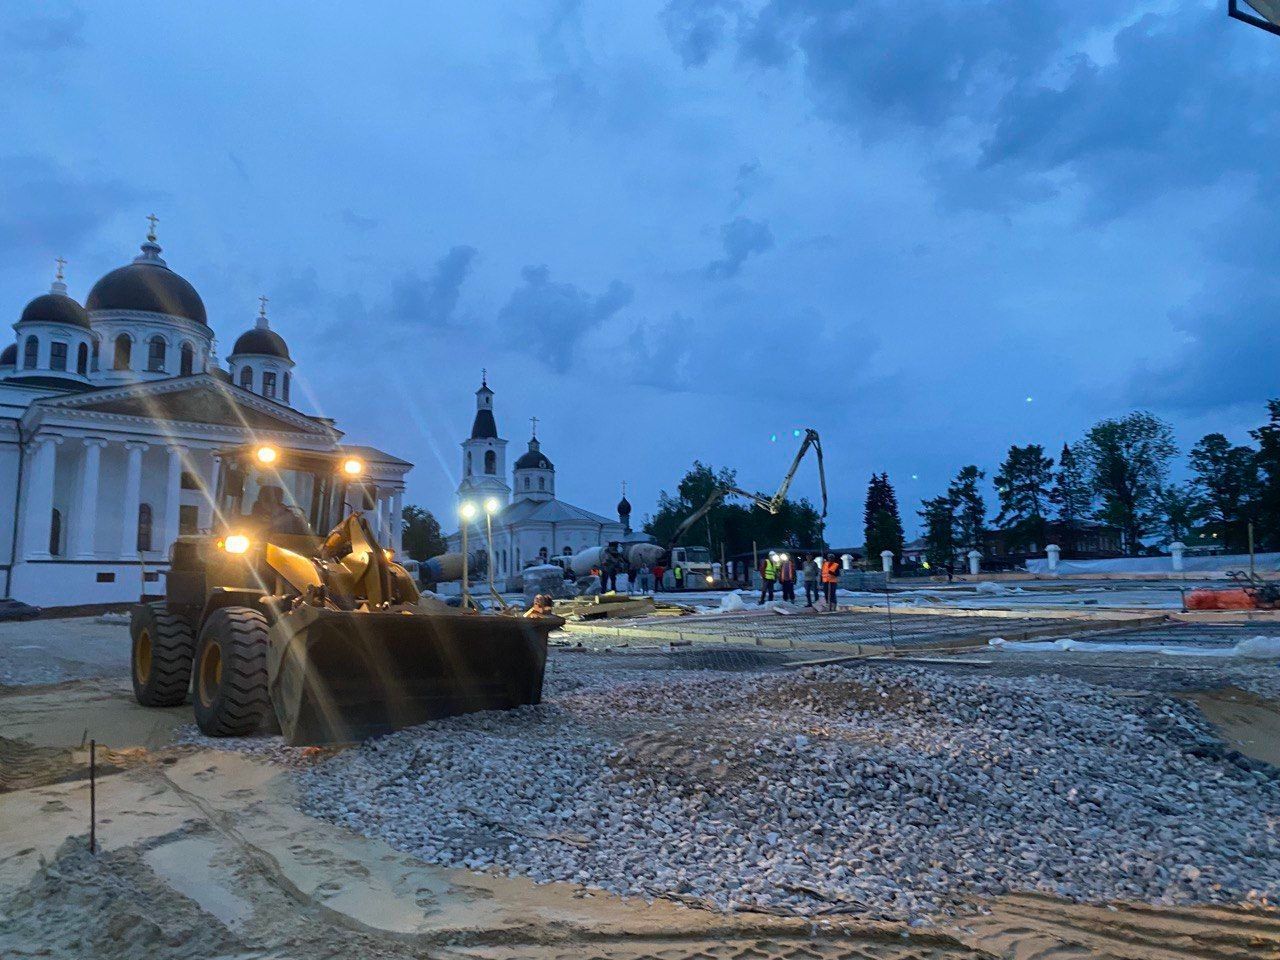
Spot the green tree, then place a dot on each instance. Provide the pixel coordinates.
(1267, 508)
(1072, 498)
(882, 524)
(1023, 484)
(939, 517)
(421, 535)
(1227, 481)
(1128, 462)
(970, 508)
(1178, 509)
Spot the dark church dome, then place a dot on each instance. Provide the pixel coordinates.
(148, 285)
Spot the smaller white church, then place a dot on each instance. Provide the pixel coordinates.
(531, 524)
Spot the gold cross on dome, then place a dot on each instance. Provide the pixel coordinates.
(61, 262)
(262, 310)
(534, 421)
(153, 220)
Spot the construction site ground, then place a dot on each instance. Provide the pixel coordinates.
(205, 851)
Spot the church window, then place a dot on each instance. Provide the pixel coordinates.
(144, 527)
(490, 462)
(542, 483)
(285, 383)
(55, 533)
(94, 353)
(123, 352)
(82, 359)
(188, 519)
(186, 360)
(526, 483)
(58, 355)
(269, 384)
(468, 463)
(246, 377)
(155, 354)
(189, 481)
(30, 351)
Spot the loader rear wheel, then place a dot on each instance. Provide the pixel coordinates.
(162, 647)
(230, 691)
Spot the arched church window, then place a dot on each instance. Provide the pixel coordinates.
(284, 393)
(526, 483)
(123, 352)
(468, 463)
(30, 353)
(144, 527)
(542, 483)
(269, 384)
(55, 533)
(246, 377)
(58, 355)
(94, 353)
(186, 359)
(490, 462)
(82, 359)
(155, 354)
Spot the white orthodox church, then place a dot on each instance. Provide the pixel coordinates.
(113, 416)
(531, 525)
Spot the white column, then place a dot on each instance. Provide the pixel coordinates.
(397, 521)
(975, 556)
(209, 511)
(132, 500)
(886, 561)
(1176, 549)
(84, 519)
(38, 513)
(172, 498)
(1054, 552)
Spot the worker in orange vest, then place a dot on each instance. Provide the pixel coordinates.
(830, 577)
(787, 577)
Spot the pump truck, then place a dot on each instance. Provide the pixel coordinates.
(290, 607)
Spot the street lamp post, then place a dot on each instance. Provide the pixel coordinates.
(491, 506)
(467, 511)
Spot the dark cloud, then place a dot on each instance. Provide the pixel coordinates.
(746, 181)
(553, 317)
(46, 207)
(431, 300)
(696, 28)
(357, 222)
(55, 28)
(741, 238)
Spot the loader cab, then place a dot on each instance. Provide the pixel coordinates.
(286, 493)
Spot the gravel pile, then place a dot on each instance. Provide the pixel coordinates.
(886, 791)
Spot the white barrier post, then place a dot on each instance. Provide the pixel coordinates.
(974, 557)
(1054, 551)
(886, 561)
(1175, 550)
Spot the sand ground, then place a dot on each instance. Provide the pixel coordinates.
(204, 854)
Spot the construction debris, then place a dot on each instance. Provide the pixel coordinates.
(616, 606)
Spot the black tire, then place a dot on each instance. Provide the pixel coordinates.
(229, 691)
(160, 659)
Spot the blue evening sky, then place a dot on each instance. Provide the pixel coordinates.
(670, 230)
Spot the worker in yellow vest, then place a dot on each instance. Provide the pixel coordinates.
(768, 576)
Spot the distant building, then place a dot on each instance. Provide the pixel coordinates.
(532, 525)
(1090, 541)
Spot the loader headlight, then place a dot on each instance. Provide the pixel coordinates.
(236, 543)
(710, 579)
(268, 454)
(389, 553)
(352, 467)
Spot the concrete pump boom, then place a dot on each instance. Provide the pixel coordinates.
(771, 504)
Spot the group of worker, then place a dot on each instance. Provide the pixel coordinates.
(821, 577)
(645, 579)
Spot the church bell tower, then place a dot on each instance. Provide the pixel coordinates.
(484, 453)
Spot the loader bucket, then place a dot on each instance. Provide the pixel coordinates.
(342, 676)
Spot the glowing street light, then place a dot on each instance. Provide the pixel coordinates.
(491, 506)
(466, 510)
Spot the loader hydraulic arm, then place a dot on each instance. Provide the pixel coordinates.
(770, 504)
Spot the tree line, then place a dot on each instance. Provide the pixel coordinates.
(1118, 475)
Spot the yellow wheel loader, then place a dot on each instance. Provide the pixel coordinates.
(291, 607)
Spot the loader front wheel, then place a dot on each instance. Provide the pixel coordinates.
(230, 691)
(161, 658)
